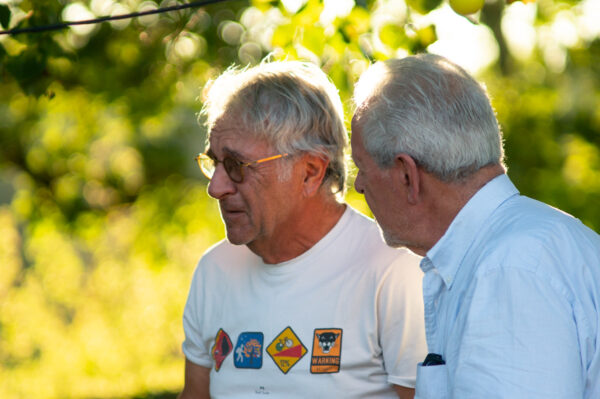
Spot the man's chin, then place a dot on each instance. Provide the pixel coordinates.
(235, 240)
(395, 242)
(391, 240)
(236, 237)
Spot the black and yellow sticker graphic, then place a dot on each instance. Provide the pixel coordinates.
(326, 351)
(286, 350)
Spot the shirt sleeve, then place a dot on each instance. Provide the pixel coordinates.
(520, 339)
(194, 346)
(401, 320)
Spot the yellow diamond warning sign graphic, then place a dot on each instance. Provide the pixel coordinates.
(286, 350)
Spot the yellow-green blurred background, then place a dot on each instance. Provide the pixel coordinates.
(103, 213)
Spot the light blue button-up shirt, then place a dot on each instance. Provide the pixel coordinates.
(512, 302)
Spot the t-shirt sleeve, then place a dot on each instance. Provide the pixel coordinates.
(401, 320)
(195, 346)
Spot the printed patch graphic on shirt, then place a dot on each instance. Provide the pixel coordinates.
(286, 350)
(248, 351)
(326, 351)
(221, 348)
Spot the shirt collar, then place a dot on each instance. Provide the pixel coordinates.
(447, 254)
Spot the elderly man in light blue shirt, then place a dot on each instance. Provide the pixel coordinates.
(511, 286)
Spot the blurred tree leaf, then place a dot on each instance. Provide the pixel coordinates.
(424, 37)
(355, 24)
(4, 16)
(13, 47)
(309, 14)
(283, 35)
(393, 35)
(313, 39)
(265, 5)
(28, 68)
(423, 6)
(366, 4)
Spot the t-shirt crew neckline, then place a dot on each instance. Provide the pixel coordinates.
(328, 239)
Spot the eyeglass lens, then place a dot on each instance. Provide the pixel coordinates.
(232, 166)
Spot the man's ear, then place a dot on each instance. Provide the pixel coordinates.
(408, 175)
(314, 168)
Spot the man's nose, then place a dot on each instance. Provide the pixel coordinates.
(220, 184)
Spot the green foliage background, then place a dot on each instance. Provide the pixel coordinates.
(103, 213)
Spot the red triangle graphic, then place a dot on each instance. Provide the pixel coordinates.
(294, 351)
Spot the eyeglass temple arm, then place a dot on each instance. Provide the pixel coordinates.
(267, 159)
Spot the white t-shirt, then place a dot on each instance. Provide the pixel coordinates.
(343, 320)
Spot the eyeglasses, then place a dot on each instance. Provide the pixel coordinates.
(234, 167)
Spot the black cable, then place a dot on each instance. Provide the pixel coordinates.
(64, 25)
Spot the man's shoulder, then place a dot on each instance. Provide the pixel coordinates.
(528, 234)
(224, 252)
(223, 262)
(363, 226)
(525, 221)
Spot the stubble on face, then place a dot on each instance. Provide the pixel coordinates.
(384, 198)
(240, 203)
(389, 238)
(270, 201)
(237, 224)
(248, 214)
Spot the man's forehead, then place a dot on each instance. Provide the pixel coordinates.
(226, 122)
(225, 130)
(225, 142)
(235, 140)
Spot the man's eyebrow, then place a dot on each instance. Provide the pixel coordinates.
(234, 153)
(226, 150)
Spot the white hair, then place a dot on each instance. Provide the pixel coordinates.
(291, 104)
(431, 109)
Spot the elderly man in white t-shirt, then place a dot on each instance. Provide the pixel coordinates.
(303, 299)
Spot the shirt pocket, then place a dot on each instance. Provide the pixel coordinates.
(432, 382)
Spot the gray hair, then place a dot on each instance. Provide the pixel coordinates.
(431, 109)
(291, 104)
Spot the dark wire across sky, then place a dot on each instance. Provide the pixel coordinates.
(66, 24)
